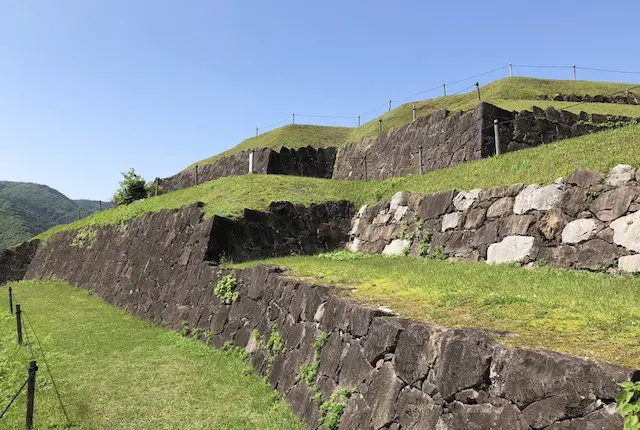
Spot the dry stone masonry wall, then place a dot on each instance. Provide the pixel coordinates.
(584, 222)
(306, 161)
(628, 98)
(14, 262)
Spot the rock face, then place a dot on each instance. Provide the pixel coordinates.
(405, 373)
(14, 263)
(396, 247)
(306, 161)
(580, 223)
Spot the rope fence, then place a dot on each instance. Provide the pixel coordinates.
(443, 92)
(21, 318)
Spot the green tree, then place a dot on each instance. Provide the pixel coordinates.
(132, 188)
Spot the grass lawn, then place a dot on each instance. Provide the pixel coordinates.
(116, 372)
(543, 164)
(517, 93)
(580, 313)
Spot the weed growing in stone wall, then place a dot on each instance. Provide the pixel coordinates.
(208, 336)
(274, 344)
(184, 328)
(308, 372)
(85, 238)
(423, 248)
(628, 403)
(439, 253)
(197, 333)
(331, 411)
(226, 289)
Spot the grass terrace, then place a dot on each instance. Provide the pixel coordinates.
(517, 93)
(580, 313)
(114, 371)
(543, 164)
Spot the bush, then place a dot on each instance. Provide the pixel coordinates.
(132, 188)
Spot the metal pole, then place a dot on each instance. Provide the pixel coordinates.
(496, 134)
(358, 120)
(478, 91)
(31, 393)
(420, 157)
(251, 161)
(365, 168)
(380, 126)
(414, 112)
(196, 178)
(19, 323)
(389, 105)
(574, 72)
(99, 205)
(11, 299)
(293, 119)
(510, 70)
(256, 131)
(444, 89)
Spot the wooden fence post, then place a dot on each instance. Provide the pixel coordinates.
(365, 168)
(478, 91)
(31, 393)
(19, 323)
(196, 178)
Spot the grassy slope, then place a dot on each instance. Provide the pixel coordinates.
(511, 94)
(581, 313)
(116, 372)
(290, 136)
(27, 209)
(544, 164)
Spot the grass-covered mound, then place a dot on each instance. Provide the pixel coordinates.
(580, 313)
(515, 93)
(543, 164)
(114, 371)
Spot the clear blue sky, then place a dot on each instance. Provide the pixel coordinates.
(90, 88)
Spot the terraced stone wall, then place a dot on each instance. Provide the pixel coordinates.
(584, 222)
(14, 262)
(306, 161)
(450, 139)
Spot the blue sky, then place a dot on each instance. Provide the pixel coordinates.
(90, 88)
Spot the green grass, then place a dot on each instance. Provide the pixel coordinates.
(289, 136)
(580, 313)
(516, 93)
(116, 372)
(543, 164)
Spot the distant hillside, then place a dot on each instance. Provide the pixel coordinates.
(28, 209)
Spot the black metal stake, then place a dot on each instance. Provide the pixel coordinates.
(19, 323)
(31, 393)
(11, 299)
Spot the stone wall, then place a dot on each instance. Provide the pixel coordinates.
(450, 139)
(584, 222)
(306, 161)
(14, 262)
(629, 98)
(406, 375)
(286, 229)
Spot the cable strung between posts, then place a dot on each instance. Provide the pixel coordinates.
(274, 124)
(608, 71)
(327, 116)
(477, 76)
(462, 90)
(33, 357)
(543, 67)
(14, 398)
(373, 110)
(44, 358)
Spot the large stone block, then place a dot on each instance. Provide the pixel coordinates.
(465, 200)
(626, 231)
(596, 254)
(621, 175)
(501, 207)
(396, 247)
(357, 414)
(629, 263)
(417, 349)
(416, 410)
(381, 395)
(435, 205)
(585, 178)
(613, 204)
(535, 197)
(516, 225)
(481, 417)
(510, 250)
(463, 361)
(382, 337)
(450, 221)
(579, 230)
(354, 367)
